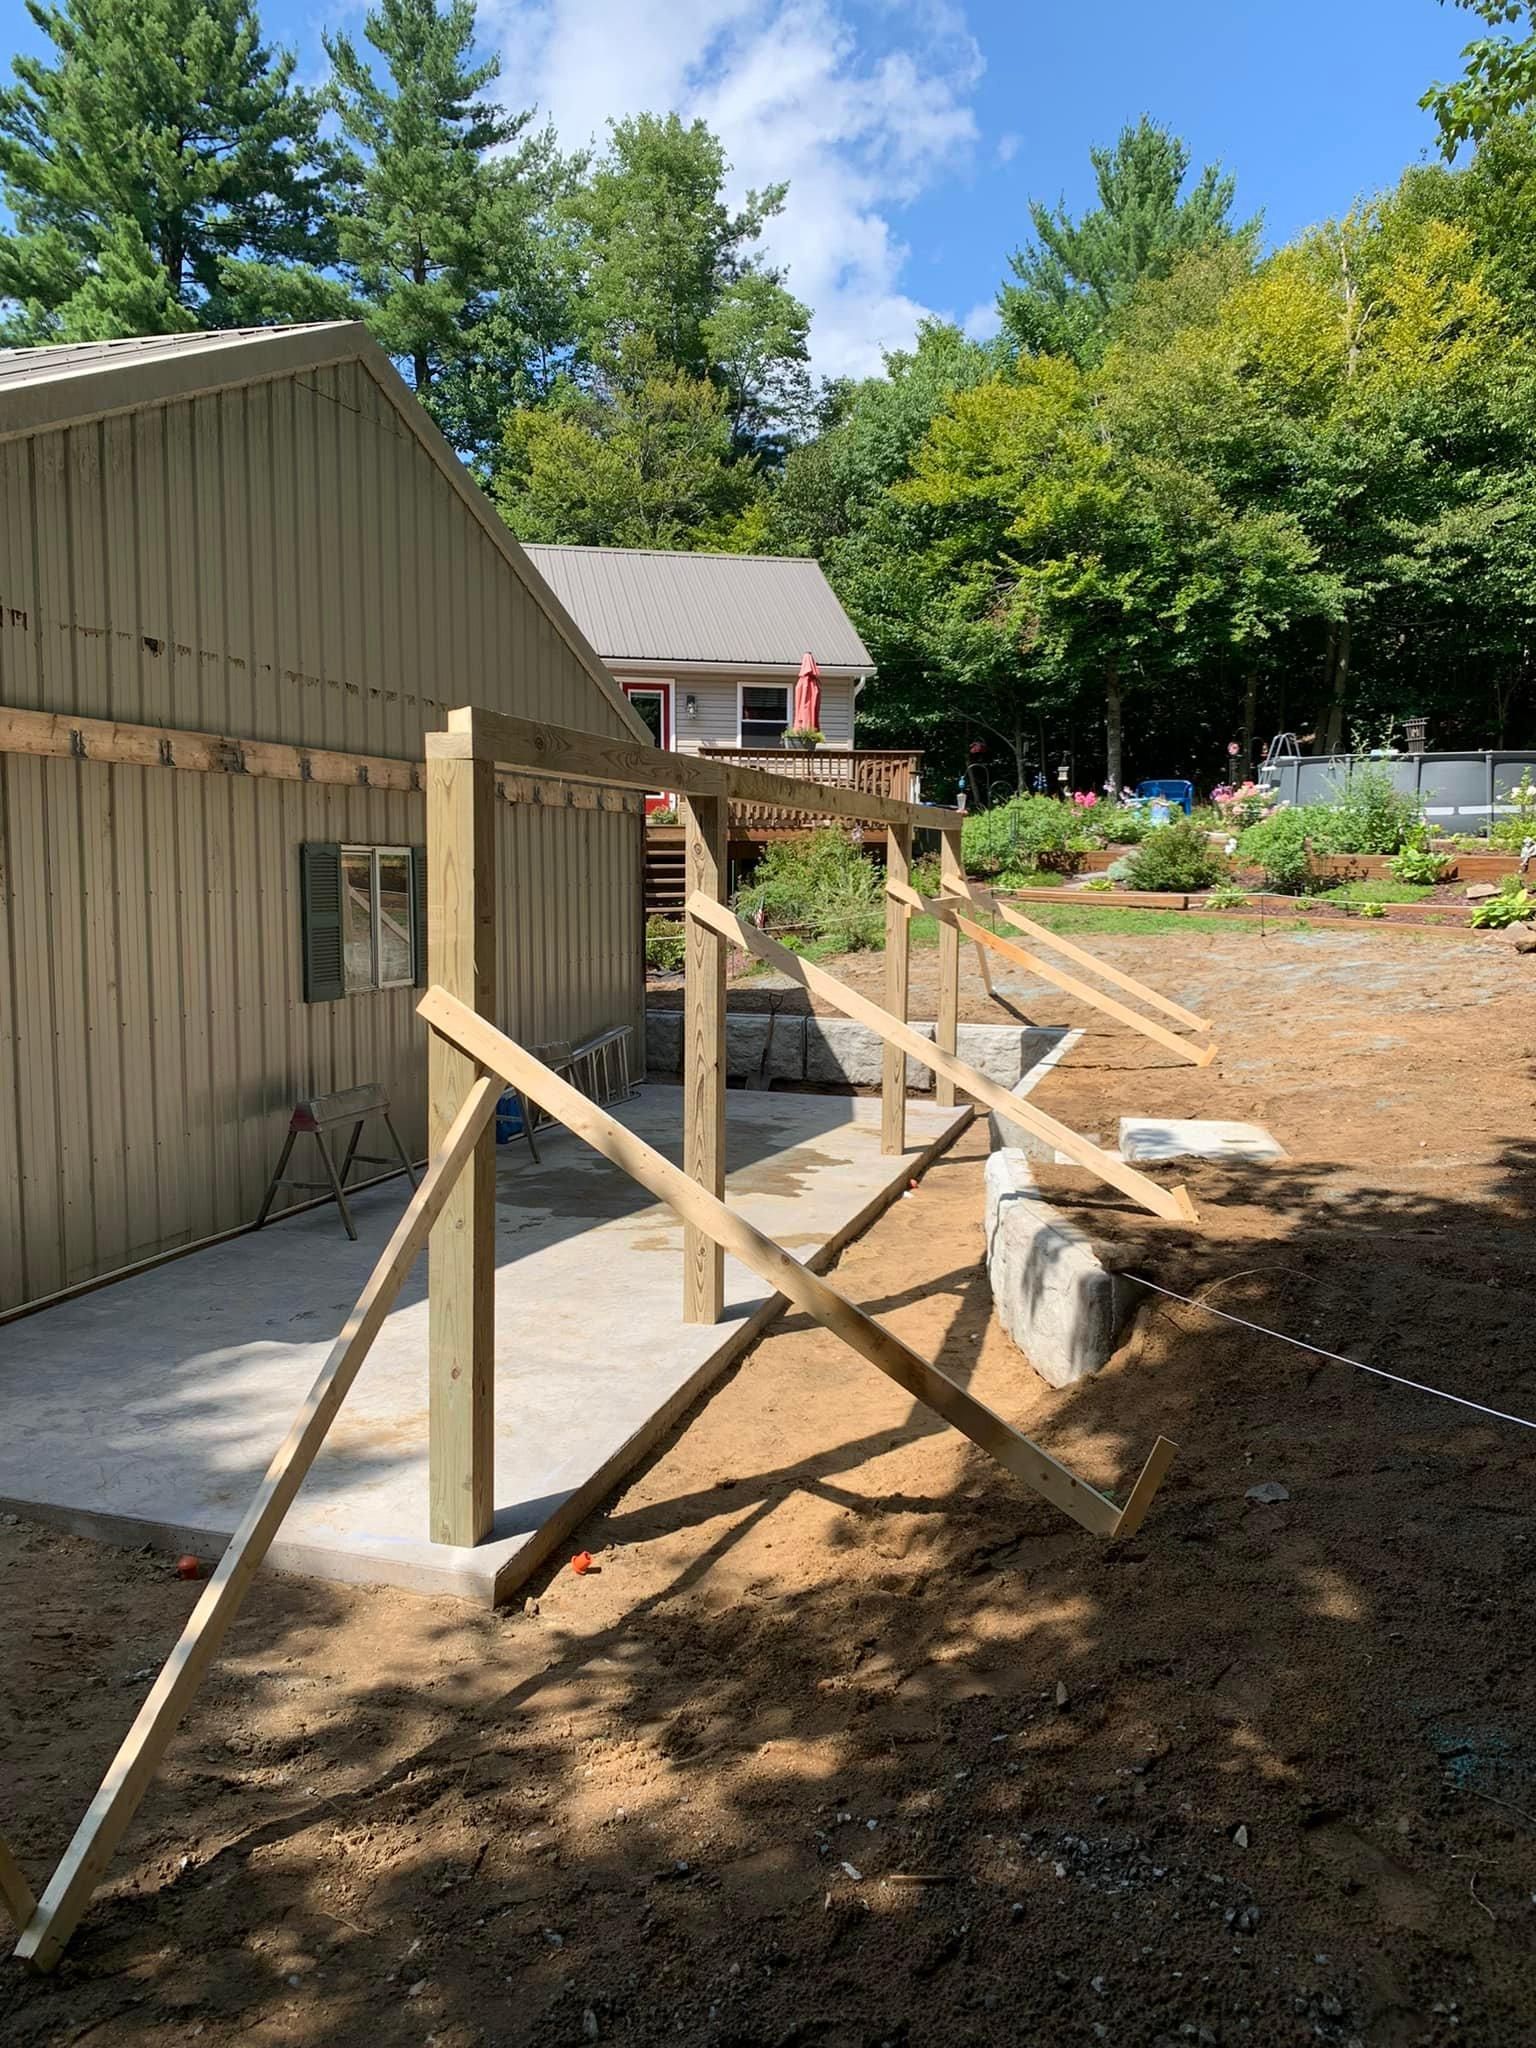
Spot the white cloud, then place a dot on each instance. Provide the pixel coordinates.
(795, 95)
(1008, 147)
(983, 321)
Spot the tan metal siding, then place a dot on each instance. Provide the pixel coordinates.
(280, 561)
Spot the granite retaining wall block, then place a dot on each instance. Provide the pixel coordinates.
(837, 1053)
(1051, 1294)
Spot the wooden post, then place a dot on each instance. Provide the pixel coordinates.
(893, 1067)
(461, 1330)
(705, 818)
(947, 1028)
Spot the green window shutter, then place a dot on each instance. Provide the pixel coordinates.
(320, 912)
(419, 914)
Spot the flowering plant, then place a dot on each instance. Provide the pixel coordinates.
(1241, 803)
(1085, 799)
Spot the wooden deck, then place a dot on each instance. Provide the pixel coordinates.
(891, 772)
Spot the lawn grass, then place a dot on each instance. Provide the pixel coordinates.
(1376, 892)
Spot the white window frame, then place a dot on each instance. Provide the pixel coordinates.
(762, 683)
(376, 918)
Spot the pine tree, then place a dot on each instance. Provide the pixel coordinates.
(162, 172)
(442, 240)
(1079, 273)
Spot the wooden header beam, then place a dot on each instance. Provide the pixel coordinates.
(528, 745)
(61, 736)
(1172, 1204)
(1016, 1452)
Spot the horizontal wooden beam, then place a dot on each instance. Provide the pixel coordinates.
(62, 736)
(1095, 999)
(527, 744)
(1172, 1204)
(132, 1769)
(922, 1379)
(984, 899)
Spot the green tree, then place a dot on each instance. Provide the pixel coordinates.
(1078, 273)
(162, 171)
(650, 466)
(666, 272)
(443, 239)
(1499, 78)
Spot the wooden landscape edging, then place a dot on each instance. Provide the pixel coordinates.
(1172, 1204)
(816, 1297)
(947, 910)
(1262, 904)
(128, 1777)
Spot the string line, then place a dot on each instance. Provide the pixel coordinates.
(1338, 1358)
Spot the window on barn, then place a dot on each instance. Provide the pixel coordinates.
(364, 913)
(764, 713)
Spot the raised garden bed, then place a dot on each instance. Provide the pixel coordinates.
(1261, 903)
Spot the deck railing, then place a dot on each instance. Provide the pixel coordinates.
(874, 771)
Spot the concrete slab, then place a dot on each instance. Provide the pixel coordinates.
(147, 1410)
(1144, 1140)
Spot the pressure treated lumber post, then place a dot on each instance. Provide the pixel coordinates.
(893, 1064)
(947, 1028)
(461, 1331)
(704, 1055)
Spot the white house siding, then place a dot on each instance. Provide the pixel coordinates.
(281, 561)
(718, 720)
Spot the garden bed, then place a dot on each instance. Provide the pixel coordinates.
(1437, 910)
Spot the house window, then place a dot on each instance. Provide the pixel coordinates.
(764, 713)
(363, 911)
(376, 917)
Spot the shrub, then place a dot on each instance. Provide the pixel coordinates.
(822, 882)
(1514, 904)
(1278, 845)
(1418, 864)
(1373, 909)
(1227, 896)
(666, 944)
(1508, 835)
(1027, 831)
(1177, 856)
(1116, 825)
(1370, 814)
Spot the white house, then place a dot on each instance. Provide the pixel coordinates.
(707, 647)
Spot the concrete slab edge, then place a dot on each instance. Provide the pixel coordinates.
(468, 1580)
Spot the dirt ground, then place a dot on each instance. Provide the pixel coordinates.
(850, 1740)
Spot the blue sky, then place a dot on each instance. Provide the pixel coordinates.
(913, 132)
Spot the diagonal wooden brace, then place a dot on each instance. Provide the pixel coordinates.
(128, 1776)
(15, 1893)
(1172, 1204)
(1016, 1452)
(938, 906)
(984, 899)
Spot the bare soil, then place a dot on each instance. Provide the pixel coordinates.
(848, 1739)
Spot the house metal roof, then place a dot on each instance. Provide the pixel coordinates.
(752, 611)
